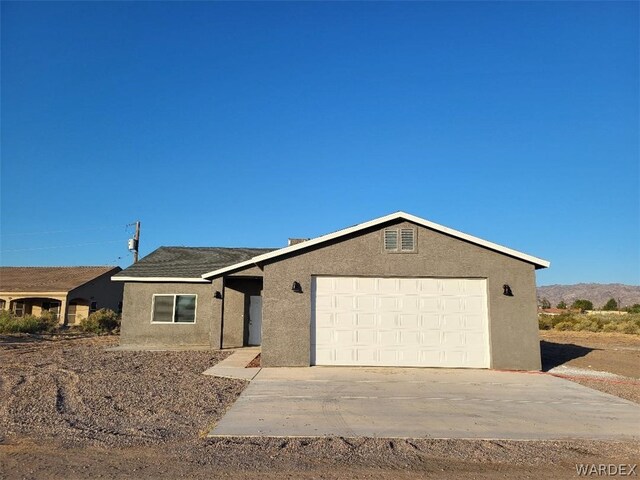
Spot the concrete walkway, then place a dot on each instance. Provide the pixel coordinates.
(425, 403)
(234, 366)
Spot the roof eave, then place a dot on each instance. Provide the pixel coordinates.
(159, 279)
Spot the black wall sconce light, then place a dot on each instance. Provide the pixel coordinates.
(507, 290)
(217, 294)
(296, 287)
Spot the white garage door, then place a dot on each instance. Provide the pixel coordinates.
(428, 322)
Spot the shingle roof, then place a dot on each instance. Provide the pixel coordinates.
(48, 279)
(188, 262)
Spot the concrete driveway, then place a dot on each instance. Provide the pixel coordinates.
(425, 403)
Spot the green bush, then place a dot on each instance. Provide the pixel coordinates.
(102, 321)
(9, 323)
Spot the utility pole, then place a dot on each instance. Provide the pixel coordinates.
(136, 242)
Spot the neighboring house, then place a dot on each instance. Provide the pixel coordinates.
(395, 291)
(71, 293)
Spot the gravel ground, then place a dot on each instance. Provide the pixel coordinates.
(71, 410)
(74, 391)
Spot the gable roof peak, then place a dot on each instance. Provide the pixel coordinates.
(537, 262)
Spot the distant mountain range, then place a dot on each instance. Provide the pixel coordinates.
(597, 293)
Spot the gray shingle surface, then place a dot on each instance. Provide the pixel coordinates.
(49, 279)
(189, 262)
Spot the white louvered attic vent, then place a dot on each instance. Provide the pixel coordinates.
(391, 240)
(407, 240)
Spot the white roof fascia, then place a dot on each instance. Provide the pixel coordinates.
(160, 279)
(372, 223)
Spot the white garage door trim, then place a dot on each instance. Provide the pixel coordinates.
(409, 322)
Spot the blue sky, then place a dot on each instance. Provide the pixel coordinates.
(242, 124)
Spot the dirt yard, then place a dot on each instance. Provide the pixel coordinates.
(72, 410)
(593, 352)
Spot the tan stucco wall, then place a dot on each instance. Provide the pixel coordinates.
(33, 301)
(137, 328)
(513, 322)
(102, 290)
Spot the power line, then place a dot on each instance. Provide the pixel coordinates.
(60, 246)
(67, 231)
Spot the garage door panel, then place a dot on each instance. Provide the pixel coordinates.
(429, 304)
(452, 322)
(345, 302)
(324, 336)
(344, 284)
(452, 304)
(366, 337)
(387, 285)
(400, 322)
(388, 338)
(430, 321)
(366, 303)
(473, 322)
(474, 287)
(323, 302)
(344, 319)
(451, 287)
(473, 304)
(411, 320)
(364, 284)
(429, 286)
(387, 320)
(389, 304)
(365, 320)
(408, 285)
(452, 339)
(409, 304)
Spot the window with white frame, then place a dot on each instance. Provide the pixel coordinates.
(400, 240)
(174, 308)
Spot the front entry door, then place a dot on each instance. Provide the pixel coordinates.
(255, 320)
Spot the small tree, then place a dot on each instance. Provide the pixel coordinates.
(562, 305)
(544, 303)
(635, 308)
(582, 305)
(611, 305)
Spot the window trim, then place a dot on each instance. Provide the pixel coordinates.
(174, 295)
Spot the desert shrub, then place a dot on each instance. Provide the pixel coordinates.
(545, 322)
(610, 327)
(9, 323)
(629, 326)
(587, 325)
(563, 326)
(629, 323)
(101, 321)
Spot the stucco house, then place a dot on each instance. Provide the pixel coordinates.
(394, 291)
(70, 293)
